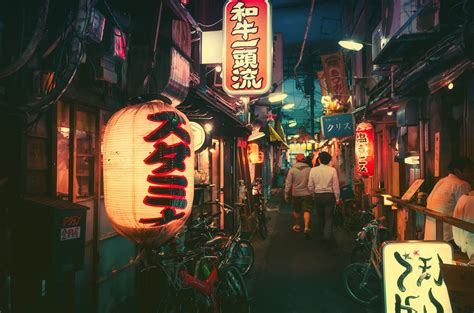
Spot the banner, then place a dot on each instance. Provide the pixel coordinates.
(248, 42)
(334, 71)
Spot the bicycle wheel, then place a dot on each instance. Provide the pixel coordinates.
(366, 293)
(262, 225)
(242, 256)
(232, 292)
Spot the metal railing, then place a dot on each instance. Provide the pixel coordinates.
(408, 210)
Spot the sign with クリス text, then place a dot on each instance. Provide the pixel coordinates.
(247, 55)
(412, 276)
(337, 125)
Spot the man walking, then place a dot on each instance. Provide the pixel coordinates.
(323, 182)
(297, 183)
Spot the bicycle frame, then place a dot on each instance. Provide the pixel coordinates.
(375, 258)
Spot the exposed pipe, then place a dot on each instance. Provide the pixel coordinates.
(26, 55)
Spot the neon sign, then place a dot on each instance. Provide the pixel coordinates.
(247, 55)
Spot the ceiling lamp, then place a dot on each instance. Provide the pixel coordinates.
(292, 123)
(256, 134)
(277, 97)
(288, 106)
(351, 44)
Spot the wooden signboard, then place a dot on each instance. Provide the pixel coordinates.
(408, 195)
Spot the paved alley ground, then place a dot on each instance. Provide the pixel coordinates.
(295, 275)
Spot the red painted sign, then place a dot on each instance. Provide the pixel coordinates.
(335, 74)
(247, 57)
(364, 149)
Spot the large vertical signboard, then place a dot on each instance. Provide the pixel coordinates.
(412, 276)
(335, 74)
(247, 55)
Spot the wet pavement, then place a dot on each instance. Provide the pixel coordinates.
(295, 275)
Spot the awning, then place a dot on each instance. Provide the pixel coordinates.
(274, 136)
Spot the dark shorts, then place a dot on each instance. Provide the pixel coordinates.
(304, 203)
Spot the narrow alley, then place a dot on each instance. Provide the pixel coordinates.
(296, 275)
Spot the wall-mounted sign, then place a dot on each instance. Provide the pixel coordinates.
(148, 171)
(412, 276)
(408, 195)
(364, 149)
(201, 138)
(335, 74)
(247, 54)
(436, 156)
(254, 153)
(337, 125)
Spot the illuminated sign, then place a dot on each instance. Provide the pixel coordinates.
(337, 125)
(364, 149)
(247, 55)
(201, 138)
(335, 74)
(412, 276)
(148, 171)
(255, 155)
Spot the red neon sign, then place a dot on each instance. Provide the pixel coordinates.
(247, 58)
(364, 149)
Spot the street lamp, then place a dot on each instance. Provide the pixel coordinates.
(353, 45)
(277, 97)
(288, 106)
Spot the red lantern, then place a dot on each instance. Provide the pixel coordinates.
(364, 149)
(148, 171)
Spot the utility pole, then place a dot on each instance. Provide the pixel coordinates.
(309, 90)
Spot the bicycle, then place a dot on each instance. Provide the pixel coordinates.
(239, 252)
(260, 208)
(362, 281)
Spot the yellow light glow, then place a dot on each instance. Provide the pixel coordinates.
(277, 97)
(136, 197)
(292, 123)
(390, 113)
(288, 106)
(296, 136)
(351, 45)
(208, 127)
(218, 68)
(450, 86)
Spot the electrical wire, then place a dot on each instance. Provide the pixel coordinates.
(308, 24)
(210, 25)
(26, 55)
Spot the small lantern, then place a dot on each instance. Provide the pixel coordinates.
(148, 170)
(364, 149)
(255, 155)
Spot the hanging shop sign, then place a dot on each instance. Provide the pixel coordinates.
(201, 138)
(337, 125)
(335, 74)
(322, 83)
(412, 276)
(255, 155)
(364, 149)
(148, 171)
(247, 54)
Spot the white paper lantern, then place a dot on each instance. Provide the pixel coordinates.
(148, 160)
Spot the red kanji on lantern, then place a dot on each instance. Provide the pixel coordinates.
(364, 149)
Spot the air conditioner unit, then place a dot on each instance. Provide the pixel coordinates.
(398, 14)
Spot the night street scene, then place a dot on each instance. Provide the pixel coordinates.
(237, 156)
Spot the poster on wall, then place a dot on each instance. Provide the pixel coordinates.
(248, 43)
(412, 276)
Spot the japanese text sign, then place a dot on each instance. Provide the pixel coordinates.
(412, 276)
(335, 74)
(364, 149)
(247, 55)
(337, 125)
